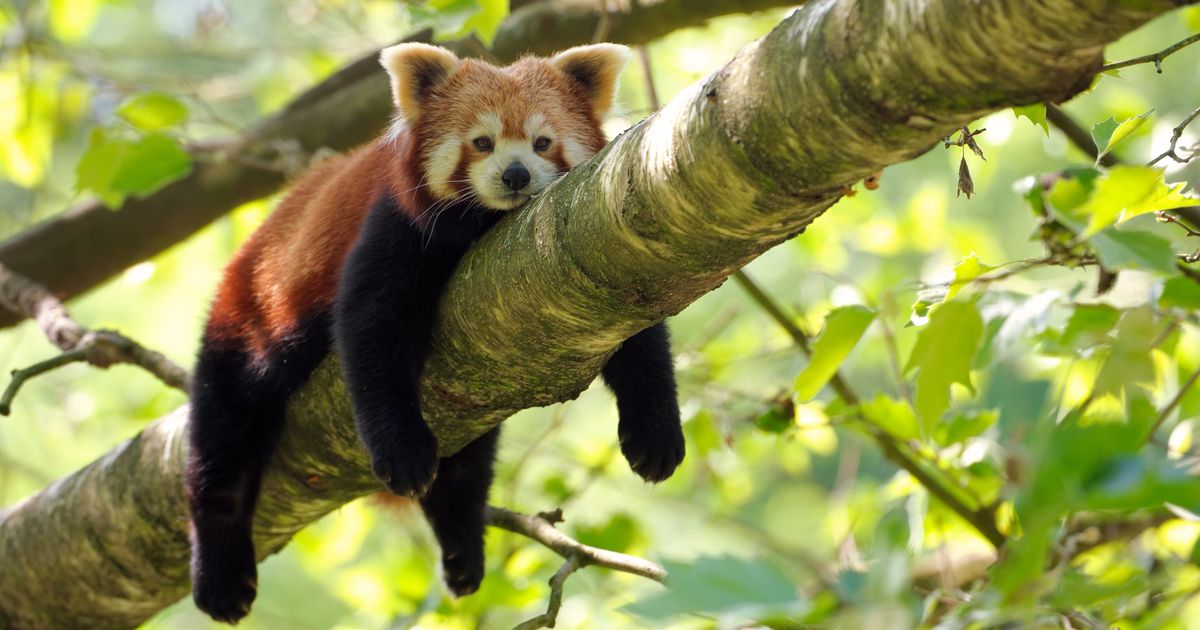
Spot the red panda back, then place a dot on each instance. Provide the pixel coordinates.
(289, 267)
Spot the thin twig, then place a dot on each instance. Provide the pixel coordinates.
(541, 528)
(100, 348)
(1156, 58)
(20, 376)
(542, 531)
(549, 618)
(1176, 134)
(1174, 402)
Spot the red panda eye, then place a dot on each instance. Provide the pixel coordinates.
(483, 143)
(541, 144)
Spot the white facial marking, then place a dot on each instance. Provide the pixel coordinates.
(486, 174)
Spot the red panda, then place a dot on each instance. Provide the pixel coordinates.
(355, 259)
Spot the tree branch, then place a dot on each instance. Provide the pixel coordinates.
(730, 168)
(101, 348)
(88, 244)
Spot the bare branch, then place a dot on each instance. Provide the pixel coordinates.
(541, 530)
(1156, 58)
(1176, 134)
(100, 348)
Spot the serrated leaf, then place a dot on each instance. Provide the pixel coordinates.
(1036, 114)
(892, 415)
(1180, 292)
(151, 111)
(149, 164)
(942, 356)
(844, 326)
(1125, 192)
(1109, 133)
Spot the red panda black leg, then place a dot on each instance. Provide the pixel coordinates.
(386, 302)
(642, 376)
(456, 508)
(236, 416)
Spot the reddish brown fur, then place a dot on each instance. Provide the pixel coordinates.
(291, 266)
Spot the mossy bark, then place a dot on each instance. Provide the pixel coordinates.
(732, 167)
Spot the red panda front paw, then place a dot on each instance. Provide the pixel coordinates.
(409, 465)
(653, 451)
(463, 571)
(224, 578)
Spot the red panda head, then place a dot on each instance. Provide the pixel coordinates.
(501, 135)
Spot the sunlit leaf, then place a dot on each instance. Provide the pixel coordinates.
(964, 426)
(844, 326)
(149, 164)
(1180, 292)
(1036, 114)
(965, 271)
(1125, 192)
(892, 415)
(943, 356)
(99, 164)
(1109, 133)
(151, 111)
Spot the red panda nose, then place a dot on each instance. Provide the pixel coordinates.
(515, 177)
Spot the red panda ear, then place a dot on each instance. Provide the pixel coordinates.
(596, 67)
(415, 69)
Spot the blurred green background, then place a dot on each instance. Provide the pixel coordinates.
(776, 492)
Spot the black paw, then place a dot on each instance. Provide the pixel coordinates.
(653, 451)
(463, 571)
(409, 465)
(224, 580)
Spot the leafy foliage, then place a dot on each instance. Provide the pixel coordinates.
(1058, 412)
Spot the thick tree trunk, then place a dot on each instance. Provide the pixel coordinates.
(730, 168)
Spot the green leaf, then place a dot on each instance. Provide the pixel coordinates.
(1036, 114)
(723, 586)
(151, 163)
(455, 19)
(844, 326)
(620, 533)
(1075, 588)
(1125, 192)
(98, 165)
(1088, 325)
(964, 426)
(151, 111)
(1109, 133)
(943, 356)
(1180, 292)
(892, 415)
(1133, 249)
(1129, 362)
(777, 419)
(965, 271)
